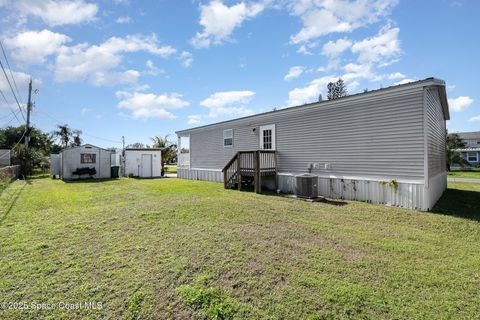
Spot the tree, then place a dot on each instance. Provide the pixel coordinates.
(137, 145)
(453, 142)
(68, 137)
(336, 89)
(77, 141)
(64, 134)
(169, 149)
(40, 146)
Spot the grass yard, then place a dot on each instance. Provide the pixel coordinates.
(170, 168)
(179, 249)
(465, 173)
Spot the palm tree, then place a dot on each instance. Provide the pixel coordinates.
(64, 133)
(77, 141)
(169, 150)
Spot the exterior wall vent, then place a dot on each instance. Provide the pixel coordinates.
(306, 186)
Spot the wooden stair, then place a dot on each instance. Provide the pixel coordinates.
(247, 167)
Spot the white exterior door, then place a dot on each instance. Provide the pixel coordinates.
(146, 166)
(267, 137)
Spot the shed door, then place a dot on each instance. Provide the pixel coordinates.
(267, 137)
(146, 167)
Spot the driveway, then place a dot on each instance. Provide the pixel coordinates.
(463, 180)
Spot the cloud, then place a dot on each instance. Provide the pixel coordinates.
(219, 21)
(404, 81)
(96, 63)
(152, 69)
(21, 80)
(333, 49)
(33, 47)
(186, 58)
(149, 105)
(56, 12)
(294, 72)
(110, 78)
(475, 119)
(324, 17)
(309, 93)
(194, 119)
(123, 20)
(459, 104)
(381, 49)
(228, 103)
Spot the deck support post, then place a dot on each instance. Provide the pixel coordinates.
(258, 175)
(239, 171)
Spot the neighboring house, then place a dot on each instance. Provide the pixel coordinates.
(81, 162)
(471, 151)
(382, 146)
(5, 157)
(143, 163)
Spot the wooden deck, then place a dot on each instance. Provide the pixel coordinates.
(250, 165)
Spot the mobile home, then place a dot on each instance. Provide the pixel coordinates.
(382, 146)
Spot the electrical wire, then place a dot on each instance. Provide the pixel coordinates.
(16, 144)
(8, 104)
(11, 73)
(11, 88)
(83, 132)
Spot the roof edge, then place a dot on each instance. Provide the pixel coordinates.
(427, 82)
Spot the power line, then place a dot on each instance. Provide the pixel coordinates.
(8, 104)
(16, 144)
(9, 121)
(11, 73)
(11, 88)
(83, 132)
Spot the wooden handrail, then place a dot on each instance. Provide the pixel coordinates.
(229, 163)
(256, 162)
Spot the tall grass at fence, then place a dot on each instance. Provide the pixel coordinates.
(7, 175)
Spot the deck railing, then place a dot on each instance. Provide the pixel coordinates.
(251, 164)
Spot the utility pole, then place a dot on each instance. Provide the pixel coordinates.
(27, 129)
(29, 109)
(123, 155)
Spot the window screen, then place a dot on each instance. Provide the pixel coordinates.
(88, 157)
(228, 137)
(267, 139)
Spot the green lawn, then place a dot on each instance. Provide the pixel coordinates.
(179, 249)
(170, 168)
(465, 173)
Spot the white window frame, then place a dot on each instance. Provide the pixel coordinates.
(226, 135)
(476, 156)
(274, 142)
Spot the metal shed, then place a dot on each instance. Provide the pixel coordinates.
(72, 163)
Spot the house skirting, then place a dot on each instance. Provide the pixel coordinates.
(408, 194)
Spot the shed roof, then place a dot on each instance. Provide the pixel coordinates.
(144, 149)
(87, 145)
(428, 82)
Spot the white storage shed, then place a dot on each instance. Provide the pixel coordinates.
(73, 163)
(143, 163)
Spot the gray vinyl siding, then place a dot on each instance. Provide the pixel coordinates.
(435, 131)
(377, 135)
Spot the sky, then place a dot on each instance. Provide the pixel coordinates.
(139, 69)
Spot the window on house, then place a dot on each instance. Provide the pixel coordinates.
(267, 139)
(88, 157)
(228, 137)
(472, 157)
